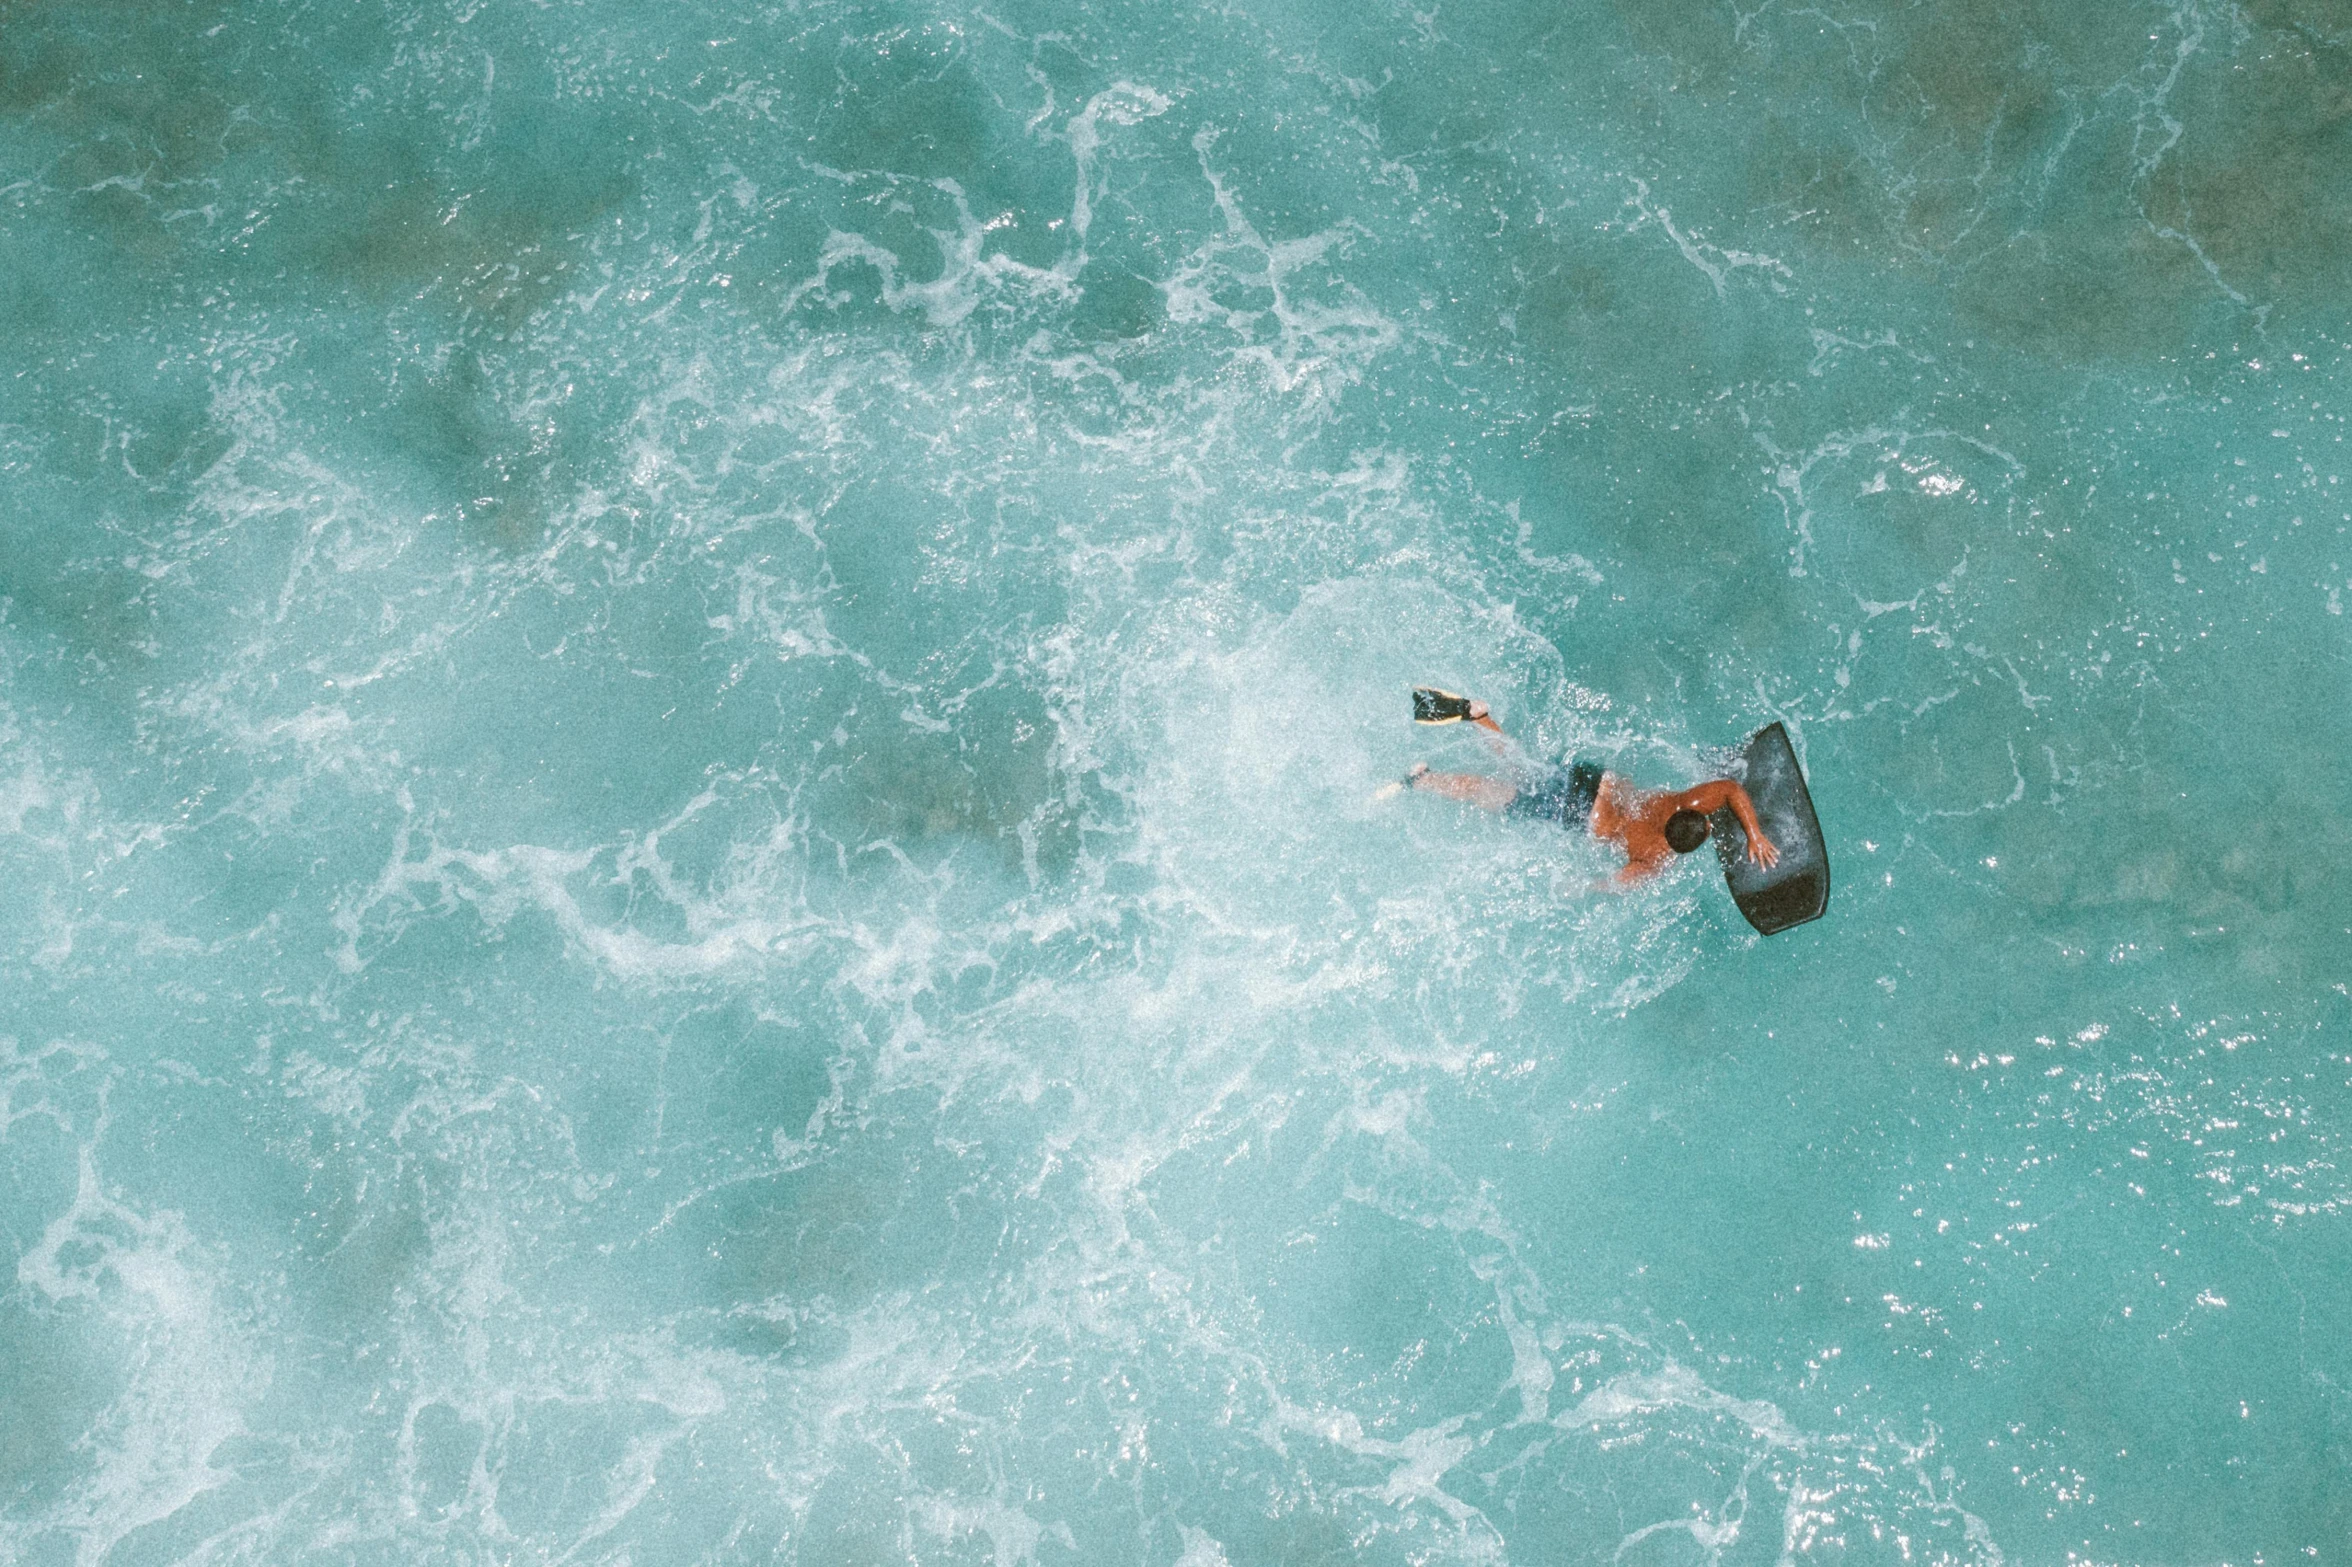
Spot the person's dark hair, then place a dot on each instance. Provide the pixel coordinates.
(1685, 831)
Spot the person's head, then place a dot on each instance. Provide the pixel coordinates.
(1685, 831)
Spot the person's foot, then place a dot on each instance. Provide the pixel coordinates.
(1389, 791)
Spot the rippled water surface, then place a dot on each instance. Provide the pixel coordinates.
(688, 705)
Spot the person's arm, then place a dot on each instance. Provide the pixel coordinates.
(1708, 798)
(1635, 872)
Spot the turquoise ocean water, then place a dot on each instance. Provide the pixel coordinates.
(688, 700)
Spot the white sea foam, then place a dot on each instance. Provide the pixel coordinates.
(164, 1329)
(972, 1060)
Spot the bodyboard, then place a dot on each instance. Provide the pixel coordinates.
(1797, 889)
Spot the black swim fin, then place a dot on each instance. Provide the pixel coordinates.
(1432, 706)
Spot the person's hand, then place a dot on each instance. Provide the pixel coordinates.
(1761, 851)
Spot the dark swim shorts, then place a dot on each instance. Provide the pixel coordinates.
(1564, 796)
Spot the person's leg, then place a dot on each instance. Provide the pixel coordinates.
(1492, 794)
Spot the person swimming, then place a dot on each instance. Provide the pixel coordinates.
(1649, 827)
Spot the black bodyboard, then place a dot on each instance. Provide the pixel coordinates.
(1797, 889)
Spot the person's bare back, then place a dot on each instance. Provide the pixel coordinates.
(1649, 827)
(1638, 823)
